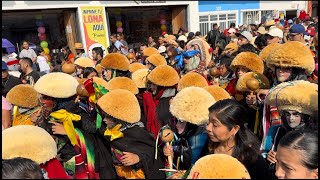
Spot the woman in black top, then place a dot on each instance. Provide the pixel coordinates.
(229, 135)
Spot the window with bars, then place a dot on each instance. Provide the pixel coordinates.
(223, 20)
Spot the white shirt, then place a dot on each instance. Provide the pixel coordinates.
(42, 61)
(118, 45)
(27, 53)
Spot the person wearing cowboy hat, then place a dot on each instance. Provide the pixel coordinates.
(80, 50)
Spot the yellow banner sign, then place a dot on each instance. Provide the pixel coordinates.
(95, 28)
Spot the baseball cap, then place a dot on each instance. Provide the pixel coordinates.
(290, 21)
(231, 30)
(246, 34)
(4, 66)
(276, 32)
(298, 28)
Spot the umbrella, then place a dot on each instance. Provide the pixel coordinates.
(8, 45)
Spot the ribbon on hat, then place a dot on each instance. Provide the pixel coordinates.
(15, 112)
(98, 121)
(258, 79)
(115, 132)
(181, 55)
(66, 118)
(100, 89)
(88, 85)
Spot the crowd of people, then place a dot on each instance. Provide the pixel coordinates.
(240, 102)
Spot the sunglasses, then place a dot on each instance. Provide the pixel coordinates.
(292, 35)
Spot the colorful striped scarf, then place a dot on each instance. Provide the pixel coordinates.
(84, 158)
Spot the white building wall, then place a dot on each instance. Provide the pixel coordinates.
(283, 5)
(192, 7)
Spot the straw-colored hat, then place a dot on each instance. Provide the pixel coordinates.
(84, 62)
(121, 104)
(163, 75)
(218, 92)
(139, 77)
(78, 46)
(57, 85)
(300, 96)
(218, 166)
(28, 141)
(192, 79)
(149, 51)
(23, 95)
(115, 61)
(292, 54)
(122, 83)
(136, 66)
(262, 30)
(68, 68)
(265, 52)
(249, 60)
(156, 60)
(192, 104)
(231, 47)
(99, 68)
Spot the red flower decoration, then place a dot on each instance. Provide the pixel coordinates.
(210, 50)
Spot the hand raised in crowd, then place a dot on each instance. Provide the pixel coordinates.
(168, 151)
(251, 99)
(262, 93)
(129, 159)
(271, 157)
(58, 128)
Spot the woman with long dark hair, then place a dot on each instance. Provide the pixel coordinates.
(229, 135)
(68, 55)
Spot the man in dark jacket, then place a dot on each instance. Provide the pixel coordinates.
(213, 36)
(8, 81)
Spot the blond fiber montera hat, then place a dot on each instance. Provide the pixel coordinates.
(139, 77)
(57, 85)
(122, 83)
(266, 51)
(157, 60)
(84, 62)
(191, 105)
(136, 66)
(218, 166)
(121, 104)
(115, 61)
(218, 92)
(292, 54)
(300, 96)
(163, 75)
(249, 60)
(28, 141)
(149, 51)
(23, 95)
(192, 79)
